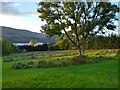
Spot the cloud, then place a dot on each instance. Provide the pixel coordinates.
(9, 8)
(32, 13)
(17, 4)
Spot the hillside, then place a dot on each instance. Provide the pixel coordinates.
(23, 36)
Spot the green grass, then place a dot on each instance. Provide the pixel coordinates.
(0, 74)
(102, 73)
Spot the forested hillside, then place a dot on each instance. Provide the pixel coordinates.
(18, 35)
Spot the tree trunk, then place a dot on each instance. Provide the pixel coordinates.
(83, 46)
(79, 50)
(82, 51)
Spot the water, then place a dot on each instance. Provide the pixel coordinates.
(21, 44)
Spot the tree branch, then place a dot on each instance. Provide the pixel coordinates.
(74, 18)
(60, 20)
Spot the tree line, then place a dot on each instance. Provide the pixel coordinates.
(96, 42)
(43, 47)
(101, 42)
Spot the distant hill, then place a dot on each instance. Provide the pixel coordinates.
(23, 36)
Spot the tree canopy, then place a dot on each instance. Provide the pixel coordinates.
(77, 20)
(6, 46)
(32, 42)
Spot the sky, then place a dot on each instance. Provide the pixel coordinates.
(21, 15)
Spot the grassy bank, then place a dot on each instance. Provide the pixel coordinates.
(101, 73)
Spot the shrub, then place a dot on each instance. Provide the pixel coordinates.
(29, 66)
(62, 63)
(41, 63)
(30, 63)
(7, 47)
(20, 66)
(17, 65)
(24, 66)
(76, 59)
(8, 59)
(51, 63)
(65, 62)
(69, 61)
(79, 59)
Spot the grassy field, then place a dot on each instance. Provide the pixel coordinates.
(101, 73)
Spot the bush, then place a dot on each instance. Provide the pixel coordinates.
(41, 63)
(62, 63)
(7, 47)
(76, 59)
(20, 66)
(7, 59)
(24, 66)
(30, 63)
(65, 62)
(51, 63)
(17, 66)
(79, 59)
(69, 61)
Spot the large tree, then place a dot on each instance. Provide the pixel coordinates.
(77, 20)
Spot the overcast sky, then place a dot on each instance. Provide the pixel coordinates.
(20, 15)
